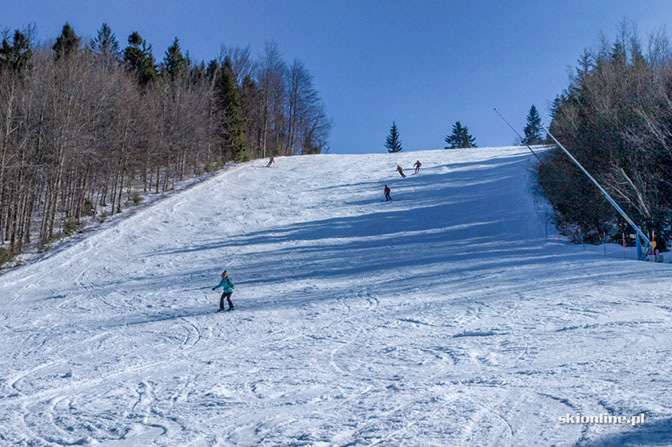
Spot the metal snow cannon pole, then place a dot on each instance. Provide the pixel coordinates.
(639, 233)
(606, 195)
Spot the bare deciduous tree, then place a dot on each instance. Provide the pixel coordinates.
(82, 132)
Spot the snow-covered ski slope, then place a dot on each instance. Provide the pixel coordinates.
(446, 317)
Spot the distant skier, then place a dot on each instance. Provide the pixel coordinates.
(417, 167)
(387, 193)
(228, 286)
(401, 171)
(270, 162)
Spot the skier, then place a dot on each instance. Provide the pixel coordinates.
(417, 167)
(228, 286)
(270, 162)
(401, 171)
(387, 193)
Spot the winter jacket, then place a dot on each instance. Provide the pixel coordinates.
(227, 284)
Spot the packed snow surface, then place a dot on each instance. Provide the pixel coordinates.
(451, 316)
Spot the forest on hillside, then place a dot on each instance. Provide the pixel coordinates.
(85, 126)
(616, 118)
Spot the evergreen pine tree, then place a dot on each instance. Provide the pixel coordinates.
(234, 125)
(197, 72)
(555, 110)
(212, 70)
(467, 139)
(533, 130)
(460, 137)
(176, 65)
(105, 43)
(15, 56)
(618, 55)
(393, 143)
(138, 56)
(67, 43)
(583, 70)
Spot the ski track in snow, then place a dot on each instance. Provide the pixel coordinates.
(444, 317)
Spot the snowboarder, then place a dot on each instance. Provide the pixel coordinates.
(228, 286)
(401, 171)
(270, 162)
(387, 193)
(417, 166)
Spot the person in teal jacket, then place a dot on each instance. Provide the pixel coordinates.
(228, 286)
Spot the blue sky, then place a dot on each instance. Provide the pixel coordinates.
(424, 64)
